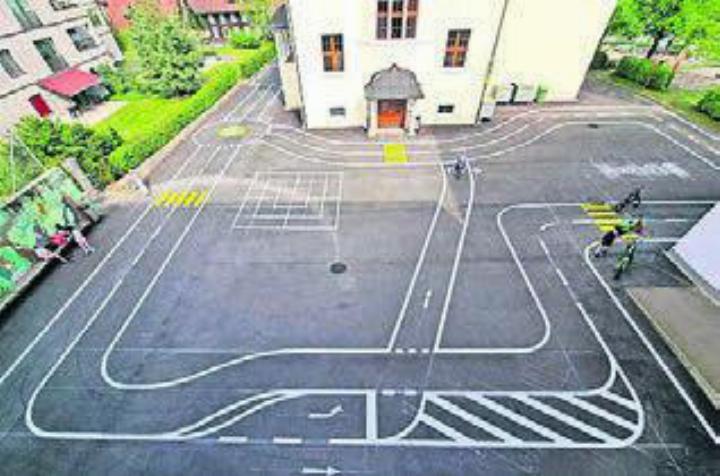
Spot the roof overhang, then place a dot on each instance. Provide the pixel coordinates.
(393, 83)
(70, 82)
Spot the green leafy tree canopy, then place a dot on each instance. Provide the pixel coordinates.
(168, 52)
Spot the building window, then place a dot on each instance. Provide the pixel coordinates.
(337, 111)
(446, 109)
(24, 14)
(41, 107)
(10, 65)
(46, 48)
(81, 38)
(396, 19)
(456, 48)
(333, 57)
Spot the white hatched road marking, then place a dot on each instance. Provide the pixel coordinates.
(566, 419)
(475, 420)
(519, 419)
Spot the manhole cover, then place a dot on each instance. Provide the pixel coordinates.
(338, 268)
(592, 125)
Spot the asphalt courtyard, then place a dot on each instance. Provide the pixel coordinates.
(286, 303)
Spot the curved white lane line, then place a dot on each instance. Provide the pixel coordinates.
(591, 112)
(420, 262)
(450, 289)
(99, 267)
(651, 349)
(492, 155)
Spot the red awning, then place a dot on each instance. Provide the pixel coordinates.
(70, 82)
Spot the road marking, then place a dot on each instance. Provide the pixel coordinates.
(566, 419)
(488, 427)
(428, 295)
(328, 471)
(286, 440)
(371, 417)
(233, 439)
(446, 430)
(336, 410)
(520, 419)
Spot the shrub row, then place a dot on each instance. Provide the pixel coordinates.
(645, 73)
(710, 104)
(221, 79)
(51, 142)
(245, 40)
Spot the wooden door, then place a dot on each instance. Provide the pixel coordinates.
(391, 114)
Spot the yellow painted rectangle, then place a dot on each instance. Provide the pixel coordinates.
(609, 222)
(602, 215)
(605, 228)
(395, 153)
(597, 207)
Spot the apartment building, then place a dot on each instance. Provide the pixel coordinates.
(398, 64)
(48, 49)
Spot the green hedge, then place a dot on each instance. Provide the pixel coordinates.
(221, 79)
(245, 40)
(646, 73)
(710, 104)
(51, 142)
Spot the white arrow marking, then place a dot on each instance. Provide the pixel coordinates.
(428, 295)
(336, 410)
(329, 471)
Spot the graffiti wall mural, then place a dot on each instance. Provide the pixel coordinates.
(30, 221)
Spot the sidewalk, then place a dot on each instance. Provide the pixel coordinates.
(690, 324)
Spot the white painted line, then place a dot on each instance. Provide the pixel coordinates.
(444, 429)
(371, 416)
(629, 404)
(456, 264)
(98, 268)
(567, 419)
(420, 262)
(520, 419)
(591, 408)
(334, 411)
(487, 427)
(285, 440)
(235, 440)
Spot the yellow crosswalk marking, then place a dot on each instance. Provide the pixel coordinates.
(191, 198)
(607, 221)
(395, 153)
(200, 199)
(180, 198)
(160, 199)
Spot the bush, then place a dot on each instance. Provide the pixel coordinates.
(710, 104)
(52, 142)
(645, 73)
(119, 80)
(221, 79)
(245, 40)
(600, 60)
(660, 77)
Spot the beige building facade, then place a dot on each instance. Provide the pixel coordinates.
(401, 64)
(47, 51)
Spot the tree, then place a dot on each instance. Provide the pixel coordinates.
(688, 23)
(697, 27)
(168, 52)
(259, 12)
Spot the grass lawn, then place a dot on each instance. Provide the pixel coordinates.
(681, 101)
(130, 120)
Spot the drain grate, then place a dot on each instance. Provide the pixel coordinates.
(592, 125)
(338, 268)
